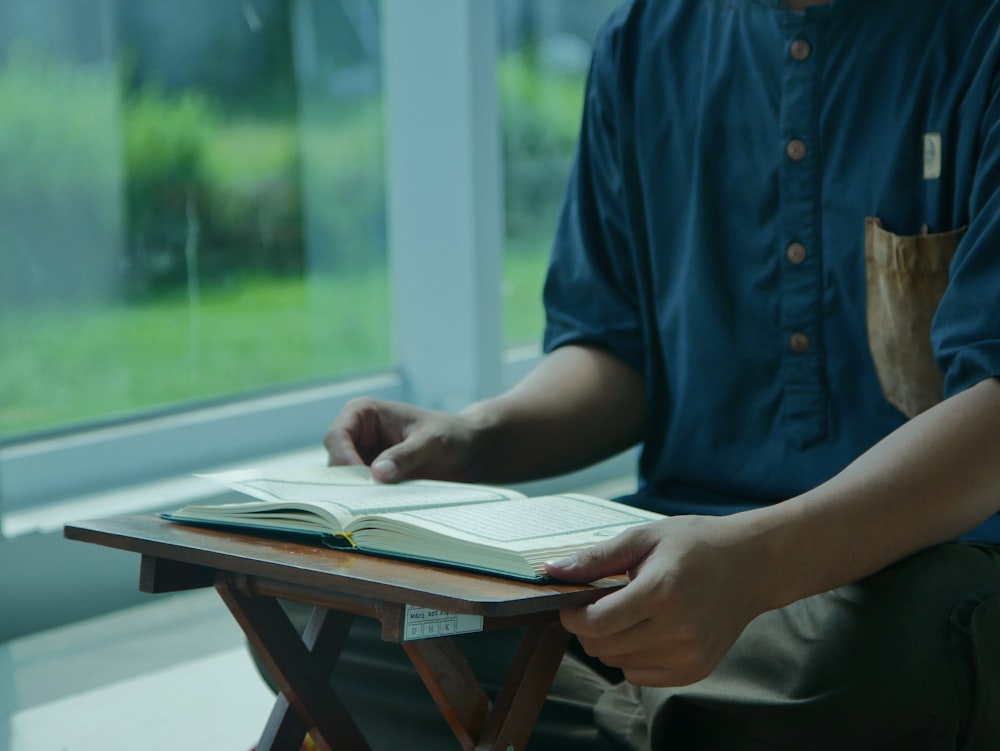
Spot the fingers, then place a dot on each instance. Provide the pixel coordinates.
(364, 429)
(617, 556)
(385, 469)
(651, 645)
(399, 441)
(340, 448)
(684, 606)
(675, 658)
(612, 615)
(661, 652)
(402, 460)
(622, 609)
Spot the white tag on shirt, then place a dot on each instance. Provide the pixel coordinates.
(932, 156)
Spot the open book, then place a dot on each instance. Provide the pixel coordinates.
(478, 527)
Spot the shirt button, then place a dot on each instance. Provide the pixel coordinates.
(799, 343)
(796, 253)
(796, 150)
(800, 50)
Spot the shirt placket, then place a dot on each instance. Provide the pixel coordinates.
(803, 401)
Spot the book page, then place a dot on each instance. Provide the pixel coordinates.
(352, 491)
(513, 537)
(524, 523)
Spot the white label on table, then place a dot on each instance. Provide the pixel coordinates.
(429, 623)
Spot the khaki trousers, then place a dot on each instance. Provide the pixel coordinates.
(905, 660)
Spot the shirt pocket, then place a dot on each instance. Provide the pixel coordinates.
(907, 277)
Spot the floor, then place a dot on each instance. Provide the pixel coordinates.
(171, 674)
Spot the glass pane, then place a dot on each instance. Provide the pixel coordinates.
(191, 203)
(545, 53)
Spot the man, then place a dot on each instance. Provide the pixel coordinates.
(770, 204)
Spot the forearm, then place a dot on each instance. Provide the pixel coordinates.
(579, 405)
(931, 481)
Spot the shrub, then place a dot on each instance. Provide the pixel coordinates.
(60, 205)
(167, 195)
(541, 114)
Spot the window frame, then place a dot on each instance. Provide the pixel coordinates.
(445, 250)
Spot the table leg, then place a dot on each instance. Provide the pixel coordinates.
(301, 667)
(507, 724)
(456, 690)
(525, 687)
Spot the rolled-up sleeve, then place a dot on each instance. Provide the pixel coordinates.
(966, 331)
(590, 292)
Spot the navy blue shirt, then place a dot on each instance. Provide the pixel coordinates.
(712, 234)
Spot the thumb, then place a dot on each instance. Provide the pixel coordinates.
(398, 462)
(385, 468)
(617, 556)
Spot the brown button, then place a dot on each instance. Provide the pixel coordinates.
(800, 49)
(796, 253)
(799, 343)
(796, 150)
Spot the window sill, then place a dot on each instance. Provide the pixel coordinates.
(142, 498)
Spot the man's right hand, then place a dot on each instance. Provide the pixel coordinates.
(402, 442)
(577, 406)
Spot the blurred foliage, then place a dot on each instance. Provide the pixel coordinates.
(230, 188)
(60, 178)
(541, 108)
(165, 138)
(541, 114)
(344, 172)
(51, 117)
(106, 190)
(165, 143)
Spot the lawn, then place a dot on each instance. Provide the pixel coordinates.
(70, 366)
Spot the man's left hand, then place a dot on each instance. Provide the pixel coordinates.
(695, 583)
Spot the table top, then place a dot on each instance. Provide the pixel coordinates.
(347, 572)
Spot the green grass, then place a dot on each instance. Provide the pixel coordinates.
(523, 275)
(67, 367)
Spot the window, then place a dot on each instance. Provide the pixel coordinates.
(221, 220)
(194, 249)
(199, 202)
(192, 201)
(544, 57)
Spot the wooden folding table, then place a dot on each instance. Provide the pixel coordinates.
(419, 607)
